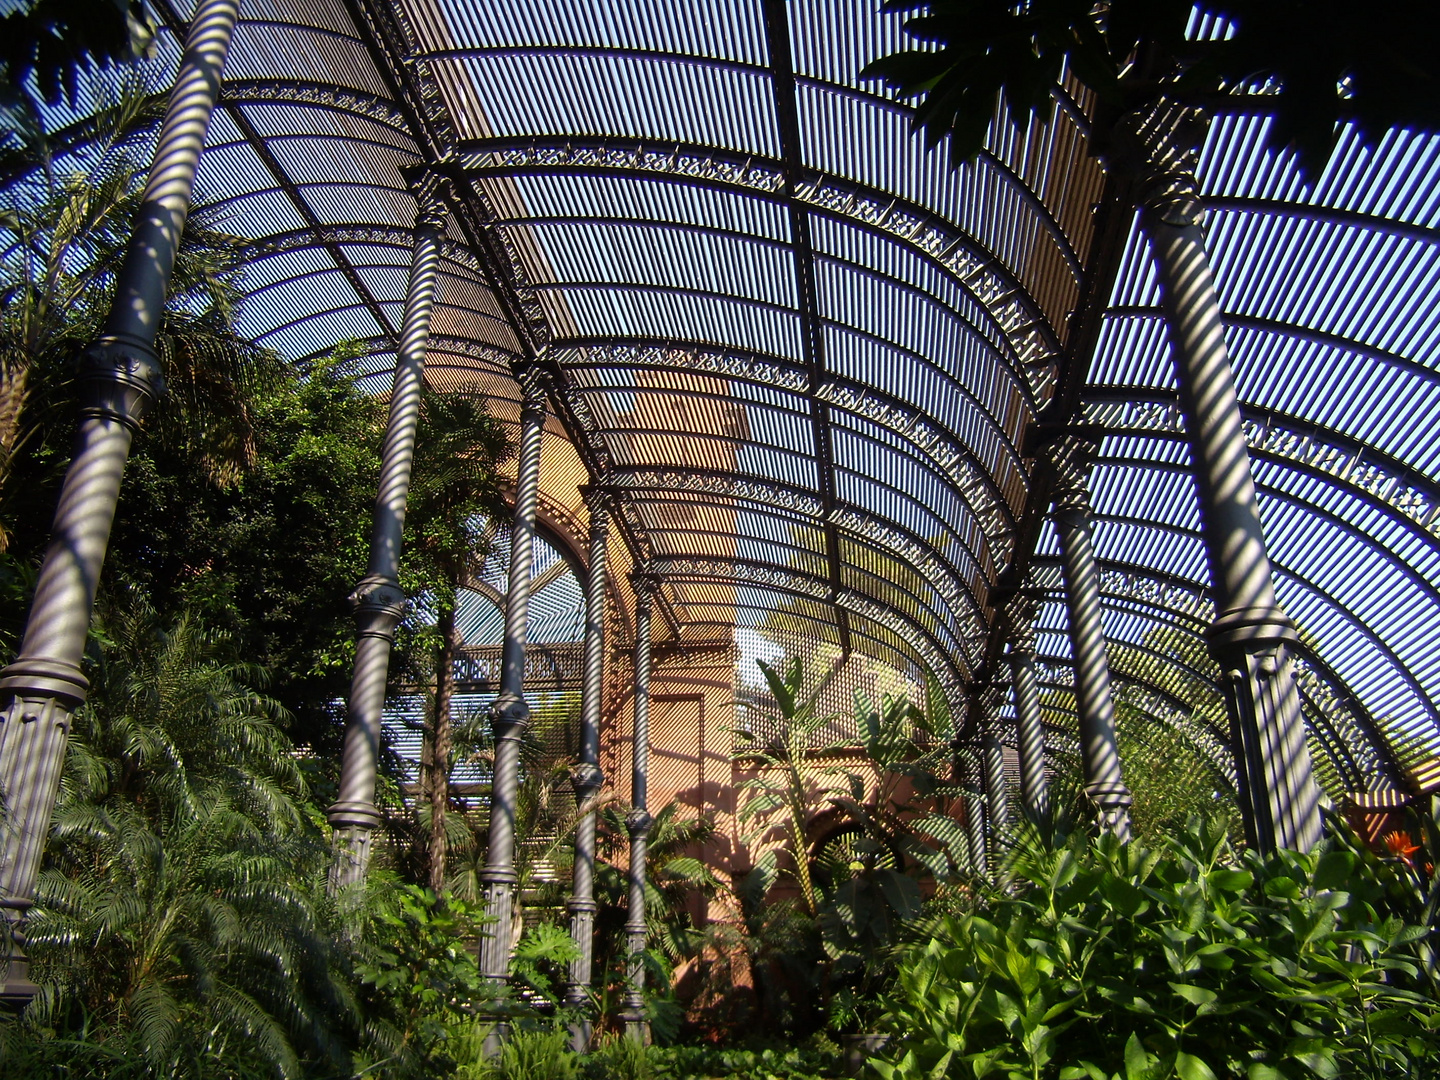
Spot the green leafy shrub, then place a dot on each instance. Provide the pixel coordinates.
(694, 1062)
(415, 957)
(1110, 960)
(541, 1054)
(542, 961)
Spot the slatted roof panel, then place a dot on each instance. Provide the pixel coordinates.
(806, 353)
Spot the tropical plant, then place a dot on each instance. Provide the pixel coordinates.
(454, 498)
(542, 828)
(1182, 767)
(791, 780)
(542, 960)
(529, 1054)
(809, 1062)
(674, 879)
(889, 834)
(416, 957)
(271, 557)
(673, 876)
(177, 929)
(53, 41)
(63, 233)
(1196, 961)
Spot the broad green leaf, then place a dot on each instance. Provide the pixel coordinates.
(1190, 1067)
(1282, 887)
(1333, 870)
(1137, 1060)
(1231, 880)
(1196, 995)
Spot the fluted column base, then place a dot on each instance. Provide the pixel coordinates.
(499, 896)
(637, 1026)
(351, 841)
(16, 988)
(1278, 795)
(577, 990)
(1112, 803)
(34, 730)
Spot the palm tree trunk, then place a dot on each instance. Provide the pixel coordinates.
(439, 781)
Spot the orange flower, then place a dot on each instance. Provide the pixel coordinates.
(1399, 845)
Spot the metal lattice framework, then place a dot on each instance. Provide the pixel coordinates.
(808, 359)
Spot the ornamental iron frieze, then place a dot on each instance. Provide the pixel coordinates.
(339, 99)
(1276, 440)
(471, 350)
(373, 235)
(686, 358)
(1190, 602)
(1031, 343)
(1027, 338)
(764, 177)
(733, 487)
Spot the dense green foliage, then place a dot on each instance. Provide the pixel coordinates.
(819, 919)
(1106, 960)
(544, 1055)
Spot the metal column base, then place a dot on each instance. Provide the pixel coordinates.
(1278, 794)
(354, 826)
(1112, 808)
(16, 989)
(499, 897)
(577, 990)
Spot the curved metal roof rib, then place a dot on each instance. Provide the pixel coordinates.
(808, 358)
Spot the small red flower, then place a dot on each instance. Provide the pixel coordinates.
(1399, 845)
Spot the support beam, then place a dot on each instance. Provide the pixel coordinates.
(587, 778)
(1252, 639)
(997, 795)
(1029, 722)
(1094, 703)
(510, 713)
(968, 775)
(638, 821)
(119, 378)
(378, 600)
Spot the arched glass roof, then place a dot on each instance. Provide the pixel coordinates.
(806, 355)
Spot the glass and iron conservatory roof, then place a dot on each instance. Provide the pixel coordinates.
(806, 355)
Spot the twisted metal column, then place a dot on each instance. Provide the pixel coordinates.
(1252, 639)
(119, 377)
(639, 821)
(997, 795)
(1029, 725)
(378, 601)
(510, 713)
(969, 777)
(1094, 704)
(587, 777)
